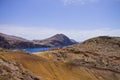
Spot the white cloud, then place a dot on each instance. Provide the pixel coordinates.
(28, 32)
(82, 2)
(45, 32)
(68, 2)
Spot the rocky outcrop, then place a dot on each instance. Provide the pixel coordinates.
(10, 70)
(57, 40)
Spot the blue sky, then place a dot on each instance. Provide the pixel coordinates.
(78, 19)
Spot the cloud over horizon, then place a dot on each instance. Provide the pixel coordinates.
(45, 32)
(82, 2)
(68, 2)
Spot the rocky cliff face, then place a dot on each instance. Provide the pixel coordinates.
(57, 40)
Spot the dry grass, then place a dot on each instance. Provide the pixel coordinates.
(100, 55)
(48, 70)
(52, 64)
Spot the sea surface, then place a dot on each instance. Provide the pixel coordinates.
(31, 50)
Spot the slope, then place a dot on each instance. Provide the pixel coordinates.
(76, 62)
(47, 70)
(100, 54)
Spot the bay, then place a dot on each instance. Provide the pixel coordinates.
(31, 50)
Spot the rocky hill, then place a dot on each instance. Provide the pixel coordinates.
(100, 53)
(57, 40)
(9, 41)
(4, 43)
(94, 59)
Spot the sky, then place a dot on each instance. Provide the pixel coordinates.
(77, 19)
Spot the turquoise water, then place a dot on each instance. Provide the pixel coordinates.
(31, 50)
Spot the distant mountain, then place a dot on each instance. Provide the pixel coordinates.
(73, 41)
(9, 41)
(56, 40)
(3, 42)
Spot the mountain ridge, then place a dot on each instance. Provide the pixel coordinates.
(56, 40)
(9, 41)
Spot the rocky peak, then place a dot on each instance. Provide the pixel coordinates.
(56, 40)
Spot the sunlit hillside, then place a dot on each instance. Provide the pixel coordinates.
(99, 55)
(48, 70)
(59, 39)
(68, 63)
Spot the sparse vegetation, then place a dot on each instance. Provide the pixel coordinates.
(12, 70)
(97, 53)
(6, 77)
(86, 61)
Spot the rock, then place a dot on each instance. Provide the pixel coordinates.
(11, 71)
